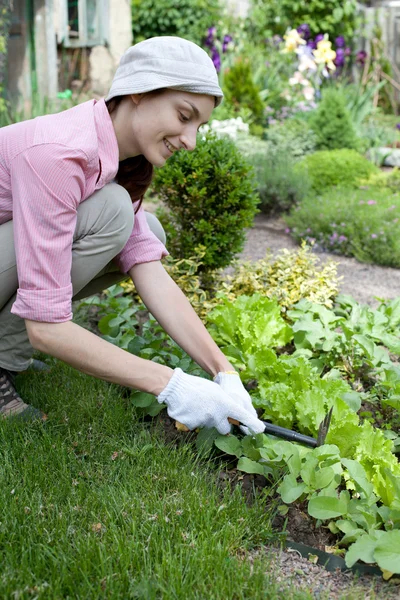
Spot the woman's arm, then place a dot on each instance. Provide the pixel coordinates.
(171, 308)
(92, 355)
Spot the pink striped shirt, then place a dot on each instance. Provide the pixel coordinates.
(48, 166)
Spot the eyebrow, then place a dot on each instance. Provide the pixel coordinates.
(196, 111)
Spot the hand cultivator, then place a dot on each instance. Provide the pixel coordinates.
(294, 436)
(288, 434)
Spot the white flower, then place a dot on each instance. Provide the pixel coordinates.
(228, 127)
(309, 93)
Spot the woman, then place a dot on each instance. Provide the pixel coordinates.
(71, 225)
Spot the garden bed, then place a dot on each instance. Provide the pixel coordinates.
(297, 564)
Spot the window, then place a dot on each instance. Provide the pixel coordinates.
(83, 23)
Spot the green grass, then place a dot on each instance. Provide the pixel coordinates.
(79, 521)
(363, 223)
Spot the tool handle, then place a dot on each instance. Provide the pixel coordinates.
(281, 432)
(289, 435)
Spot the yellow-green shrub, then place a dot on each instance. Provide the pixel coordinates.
(389, 179)
(288, 278)
(184, 271)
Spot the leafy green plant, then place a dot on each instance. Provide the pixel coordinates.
(294, 136)
(126, 323)
(247, 324)
(279, 185)
(389, 179)
(189, 19)
(332, 124)
(269, 17)
(210, 199)
(5, 17)
(344, 168)
(185, 273)
(240, 91)
(288, 277)
(364, 223)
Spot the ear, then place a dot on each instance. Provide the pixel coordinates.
(136, 98)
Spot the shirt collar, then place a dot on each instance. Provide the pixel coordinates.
(108, 145)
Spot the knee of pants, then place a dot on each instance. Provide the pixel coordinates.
(156, 227)
(107, 214)
(119, 214)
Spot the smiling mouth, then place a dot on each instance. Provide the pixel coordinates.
(170, 147)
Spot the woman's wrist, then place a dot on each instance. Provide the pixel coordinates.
(222, 367)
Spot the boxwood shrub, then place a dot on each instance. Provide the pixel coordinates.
(343, 168)
(210, 199)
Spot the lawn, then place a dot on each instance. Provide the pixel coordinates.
(97, 504)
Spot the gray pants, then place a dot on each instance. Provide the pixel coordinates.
(104, 224)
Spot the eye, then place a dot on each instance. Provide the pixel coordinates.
(183, 117)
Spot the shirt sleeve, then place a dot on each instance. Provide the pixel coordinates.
(47, 185)
(142, 246)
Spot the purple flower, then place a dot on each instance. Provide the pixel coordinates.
(339, 42)
(319, 37)
(361, 57)
(398, 126)
(304, 30)
(287, 230)
(311, 44)
(371, 202)
(209, 41)
(347, 51)
(226, 41)
(373, 235)
(342, 238)
(340, 57)
(216, 59)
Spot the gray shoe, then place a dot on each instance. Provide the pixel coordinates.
(11, 404)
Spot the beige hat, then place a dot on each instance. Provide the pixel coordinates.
(165, 62)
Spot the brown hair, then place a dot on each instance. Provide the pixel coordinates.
(136, 173)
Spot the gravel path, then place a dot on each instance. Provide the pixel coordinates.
(364, 282)
(360, 280)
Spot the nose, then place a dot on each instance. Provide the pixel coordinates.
(188, 139)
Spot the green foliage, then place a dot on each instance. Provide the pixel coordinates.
(209, 198)
(269, 17)
(294, 136)
(343, 168)
(357, 333)
(240, 91)
(248, 324)
(279, 185)
(361, 223)
(185, 273)
(332, 123)
(352, 482)
(287, 278)
(122, 322)
(189, 19)
(384, 179)
(5, 17)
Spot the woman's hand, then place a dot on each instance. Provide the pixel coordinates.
(233, 386)
(197, 402)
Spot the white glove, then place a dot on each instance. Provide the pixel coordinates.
(197, 402)
(233, 386)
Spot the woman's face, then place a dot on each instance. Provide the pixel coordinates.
(160, 124)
